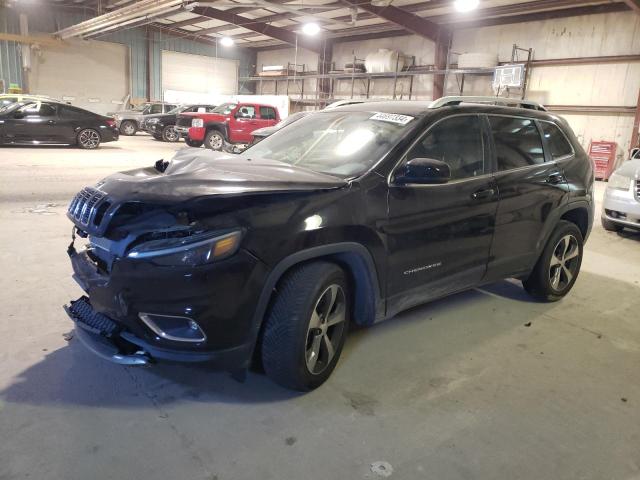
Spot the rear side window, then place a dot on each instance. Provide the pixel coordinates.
(267, 113)
(556, 141)
(517, 141)
(457, 141)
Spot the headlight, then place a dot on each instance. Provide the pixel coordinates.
(619, 182)
(188, 251)
(153, 120)
(197, 122)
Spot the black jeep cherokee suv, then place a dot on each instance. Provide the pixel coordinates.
(351, 215)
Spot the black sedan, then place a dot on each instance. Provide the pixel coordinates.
(53, 123)
(161, 125)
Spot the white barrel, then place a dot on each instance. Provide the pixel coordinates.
(384, 60)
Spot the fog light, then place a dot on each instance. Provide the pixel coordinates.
(174, 328)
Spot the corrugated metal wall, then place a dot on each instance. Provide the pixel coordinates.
(134, 38)
(10, 63)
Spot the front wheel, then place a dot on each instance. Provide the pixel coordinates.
(169, 134)
(214, 140)
(193, 143)
(307, 326)
(88, 139)
(559, 265)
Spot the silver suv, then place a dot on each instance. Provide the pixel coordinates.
(621, 205)
(130, 121)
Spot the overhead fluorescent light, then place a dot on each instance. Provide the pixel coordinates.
(310, 28)
(466, 5)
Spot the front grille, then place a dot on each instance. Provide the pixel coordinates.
(83, 313)
(85, 206)
(184, 121)
(638, 190)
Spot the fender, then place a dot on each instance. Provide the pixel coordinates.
(222, 127)
(339, 252)
(559, 213)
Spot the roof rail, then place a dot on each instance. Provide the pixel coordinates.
(510, 102)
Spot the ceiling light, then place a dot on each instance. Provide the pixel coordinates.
(226, 41)
(466, 5)
(310, 28)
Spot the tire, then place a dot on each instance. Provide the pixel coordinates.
(128, 128)
(88, 139)
(169, 134)
(193, 143)
(610, 226)
(214, 140)
(558, 267)
(303, 327)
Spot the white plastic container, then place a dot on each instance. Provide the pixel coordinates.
(384, 60)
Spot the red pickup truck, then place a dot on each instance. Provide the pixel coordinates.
(227, 123)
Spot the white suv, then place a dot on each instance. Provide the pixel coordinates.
(621, 206)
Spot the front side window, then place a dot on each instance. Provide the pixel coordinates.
(246, 111)
(457, 141)
(517, 142)
(556, 141)
(155, 108)
(343, 144)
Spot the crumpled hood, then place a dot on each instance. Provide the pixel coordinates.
(196, 173)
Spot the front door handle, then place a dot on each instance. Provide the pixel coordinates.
(51, 122)
(483, 194)
(555, 178)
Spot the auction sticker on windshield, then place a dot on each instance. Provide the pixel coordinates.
(392, 117)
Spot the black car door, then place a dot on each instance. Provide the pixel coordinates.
(34, 123)
(531, 186)
(439, 235)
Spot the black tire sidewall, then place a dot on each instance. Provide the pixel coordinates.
(207, 139)
(193, 143)
(164, 135)
(284, 359)
(128, 122)
(88, 148)
(539, 283)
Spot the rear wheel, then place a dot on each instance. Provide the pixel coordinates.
(610, 226)
(559, 265)
(306, 328)
(214, 140)
(88, 139)
(128, 127)
(169, 134)
(193, 143)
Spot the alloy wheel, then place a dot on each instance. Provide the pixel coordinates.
(564, 262)
(170, 135)
(89, 138)
(128, 128)
(215, 142)
(326, 328)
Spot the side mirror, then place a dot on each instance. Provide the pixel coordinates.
(423, 171)
(634, 152)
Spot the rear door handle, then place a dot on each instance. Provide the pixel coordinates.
(555, 178)
(483, 194)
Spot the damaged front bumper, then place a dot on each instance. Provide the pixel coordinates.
(219, 297)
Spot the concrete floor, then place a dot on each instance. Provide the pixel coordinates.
(458, 389)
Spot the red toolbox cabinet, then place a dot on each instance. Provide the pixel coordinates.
(603, 155)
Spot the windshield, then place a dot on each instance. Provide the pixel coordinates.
(344, 144)
(10, 107)
(225, 108)
(140, 108)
